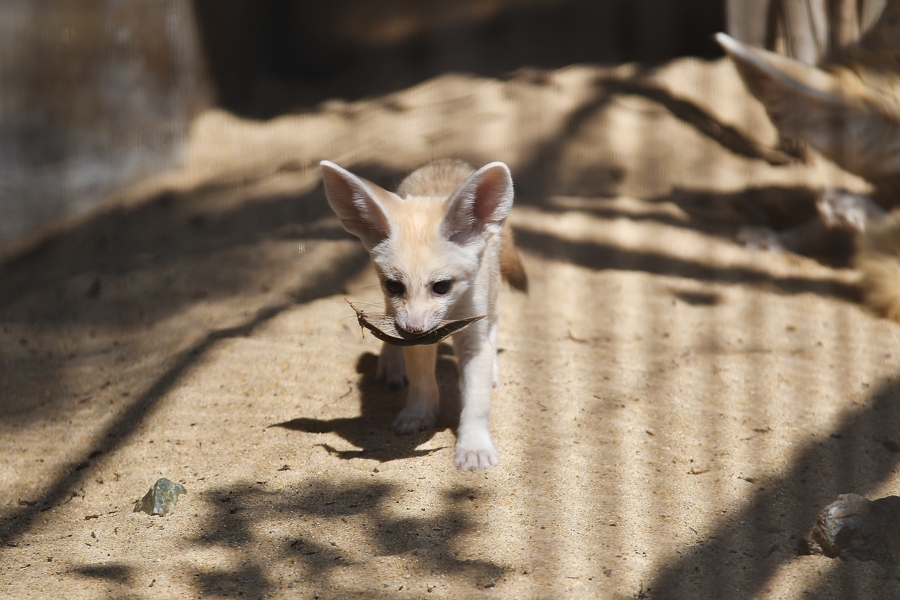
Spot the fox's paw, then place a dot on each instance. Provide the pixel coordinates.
(760, 238)
(476, 459)
(414, 420)
(391, 367)
(475, 450)
(840, 208)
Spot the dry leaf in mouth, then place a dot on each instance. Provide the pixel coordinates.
(384, 328)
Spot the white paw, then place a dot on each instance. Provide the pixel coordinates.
(760, 238)
(476, 459)
(391, 367)
(840, 208)
(414, 420)
(475, 449)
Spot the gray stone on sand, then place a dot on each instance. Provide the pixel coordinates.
(855, 527)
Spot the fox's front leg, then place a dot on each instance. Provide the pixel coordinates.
(391, 367)
(476, 355)
(421, 410)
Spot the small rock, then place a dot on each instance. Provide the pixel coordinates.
(161, 498)
(855, 527)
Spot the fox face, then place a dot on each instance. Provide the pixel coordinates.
(426, 246)
(423, 276)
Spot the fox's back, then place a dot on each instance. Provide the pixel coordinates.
(439, 178)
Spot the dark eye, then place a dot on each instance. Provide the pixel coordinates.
(442, 287)
(394, 287)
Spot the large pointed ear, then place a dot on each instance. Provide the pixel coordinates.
(478, 207)
(809, 104)
(359, 204)
(770, 76)
(799, 98)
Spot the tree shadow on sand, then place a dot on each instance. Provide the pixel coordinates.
(358, 510)
(736, 561)
(370, 431)
(166, 234)
(610, 257)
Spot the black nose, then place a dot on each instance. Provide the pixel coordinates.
(411, 330)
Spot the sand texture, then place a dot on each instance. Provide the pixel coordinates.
(674, 409)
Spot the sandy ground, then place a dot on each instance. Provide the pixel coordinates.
(673, 413)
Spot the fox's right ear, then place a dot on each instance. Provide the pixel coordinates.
(480, 204)
(359, 204)
(799, 98)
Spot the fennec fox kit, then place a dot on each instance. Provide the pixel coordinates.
(847, 108)
(439, 245)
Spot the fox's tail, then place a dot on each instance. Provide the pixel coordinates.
(511, 263)
(878, 261)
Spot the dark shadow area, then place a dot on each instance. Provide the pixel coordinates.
(121, 272)
(166, 233)
(540, 177)
(176, 234)
(775, 207)
(171, 231)
(790, 212)
(113, 573)
(713, 213)
(698, 298)
(170, 234)
(370, 431)
(237, 512)
(736, 562)
(274, 56)
(118, 431)
(603, 256)
(785, 210)
(705, 123)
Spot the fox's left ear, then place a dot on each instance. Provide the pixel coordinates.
(846, 124)
(478, 207)
(362, 206)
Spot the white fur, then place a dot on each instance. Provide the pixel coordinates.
(438, 234)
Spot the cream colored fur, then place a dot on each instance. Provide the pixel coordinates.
(847, 108)
(445, 224)
(878, 261)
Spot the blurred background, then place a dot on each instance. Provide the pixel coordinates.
(97, 94)
(265, 57)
